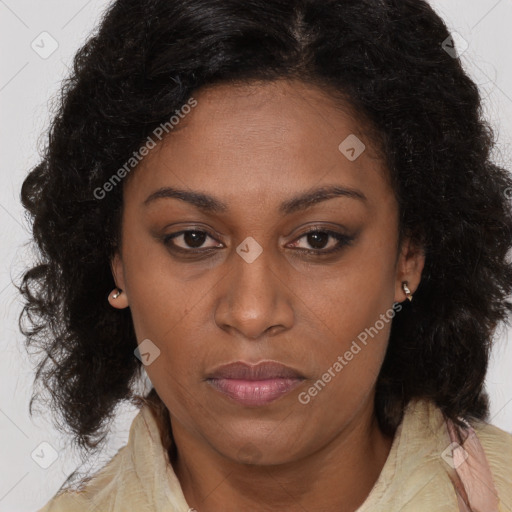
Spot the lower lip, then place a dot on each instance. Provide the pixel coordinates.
(255, 392)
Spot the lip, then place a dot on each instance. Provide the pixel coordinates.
(254, 385)
(261, 371)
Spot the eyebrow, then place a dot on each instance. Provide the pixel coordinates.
(303, 201)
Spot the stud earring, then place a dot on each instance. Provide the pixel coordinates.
(406, 290)
(117, 293)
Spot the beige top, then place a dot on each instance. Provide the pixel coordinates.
(415, 476)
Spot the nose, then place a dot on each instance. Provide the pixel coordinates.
(254, 300)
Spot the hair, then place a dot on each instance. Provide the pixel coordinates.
(382, 58)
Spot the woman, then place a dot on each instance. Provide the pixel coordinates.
(286, 213)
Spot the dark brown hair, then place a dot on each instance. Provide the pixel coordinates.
(387, 60)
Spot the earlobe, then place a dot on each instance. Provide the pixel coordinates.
(409, 270)
(118, 297)
(407, 290)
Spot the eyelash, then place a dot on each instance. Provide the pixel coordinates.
(343, 240)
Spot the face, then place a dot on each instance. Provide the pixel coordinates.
(253, 273)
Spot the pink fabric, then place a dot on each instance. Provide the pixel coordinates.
(474, 483)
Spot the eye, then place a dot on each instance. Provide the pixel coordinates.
(323, 241)
(189, 241)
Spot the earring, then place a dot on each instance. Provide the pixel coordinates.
(406, 290)
(117, 293)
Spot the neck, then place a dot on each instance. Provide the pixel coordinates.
(339, 476)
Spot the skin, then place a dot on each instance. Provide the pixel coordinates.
(252, 147)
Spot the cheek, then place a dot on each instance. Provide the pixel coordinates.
(350, 306)
(354, 327)
(344, 299)
(158, 298)
(170, 378)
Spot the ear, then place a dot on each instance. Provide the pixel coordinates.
(116, 264)
(411, 261)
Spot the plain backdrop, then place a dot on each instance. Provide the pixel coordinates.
(38, 41)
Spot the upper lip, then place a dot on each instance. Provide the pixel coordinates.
(260, 371)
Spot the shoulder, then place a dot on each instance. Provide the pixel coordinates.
(67, 502)
(113, 483)
(139, 477)
(497, 445)
(94, 493)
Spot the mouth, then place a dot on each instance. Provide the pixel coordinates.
(254, 385)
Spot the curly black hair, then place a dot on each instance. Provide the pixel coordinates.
(387, 60)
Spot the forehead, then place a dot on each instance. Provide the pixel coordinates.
(249, 142)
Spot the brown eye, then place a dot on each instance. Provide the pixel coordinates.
(319, 239)
(189, 241)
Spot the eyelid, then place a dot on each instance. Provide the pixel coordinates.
(324, 228)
